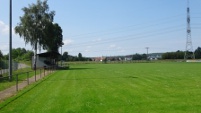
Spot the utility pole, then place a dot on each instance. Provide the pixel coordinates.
(189, 53)
(10, 41)
(61, 56)
(147, 51)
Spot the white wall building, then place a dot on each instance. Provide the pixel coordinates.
(47, 59)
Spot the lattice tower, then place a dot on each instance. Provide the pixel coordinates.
(189, 53)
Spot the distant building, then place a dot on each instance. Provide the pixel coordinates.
(155, 56)
(128, 58)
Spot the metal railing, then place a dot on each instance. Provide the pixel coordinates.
(41, 71)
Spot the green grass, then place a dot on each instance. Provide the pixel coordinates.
(22, 75)
(113, 88)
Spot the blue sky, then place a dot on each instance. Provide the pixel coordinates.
(113, 27)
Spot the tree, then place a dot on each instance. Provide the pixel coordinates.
(198, 53)
(23, 51)
(14, 53)
(144, 56)
(105, 60)
(53, 39)
(6, 57)
(35, 19)
(28, 55)
(18, 52)
(1, 55)
(137, 57)
(173, 55)
(80, 57)
(65, 56)
(21, 54)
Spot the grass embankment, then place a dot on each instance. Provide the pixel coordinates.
(118, 88)
(22, 75)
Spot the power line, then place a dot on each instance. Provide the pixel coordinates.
(100, 50)
(142, 27)
(132, 36)
(111, 31)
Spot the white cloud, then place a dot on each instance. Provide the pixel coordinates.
(112, 46)
(4, 47)
(89, 46)
(4, 29)
(119, 47)
(68, 42)
(122, 50)
(97, 40)
(86, 50)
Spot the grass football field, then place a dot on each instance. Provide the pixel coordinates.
(113, 88)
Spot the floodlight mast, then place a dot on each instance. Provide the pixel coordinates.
(10, 41)
(189, 53)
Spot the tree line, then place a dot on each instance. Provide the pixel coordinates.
(180, 54)
(139, 57)
(168, 55)
(79, 57)
(18, 54)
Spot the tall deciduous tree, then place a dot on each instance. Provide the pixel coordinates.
(53, 37)
(35, 19)
(1, 55)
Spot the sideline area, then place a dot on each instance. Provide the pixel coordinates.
(12, 90)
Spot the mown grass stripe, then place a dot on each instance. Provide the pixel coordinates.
(141, 87)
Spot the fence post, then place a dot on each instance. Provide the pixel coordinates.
(17, 82)
(35, 75)
(48, 70)
(40, 72)
(28, 78)
(44, 71)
